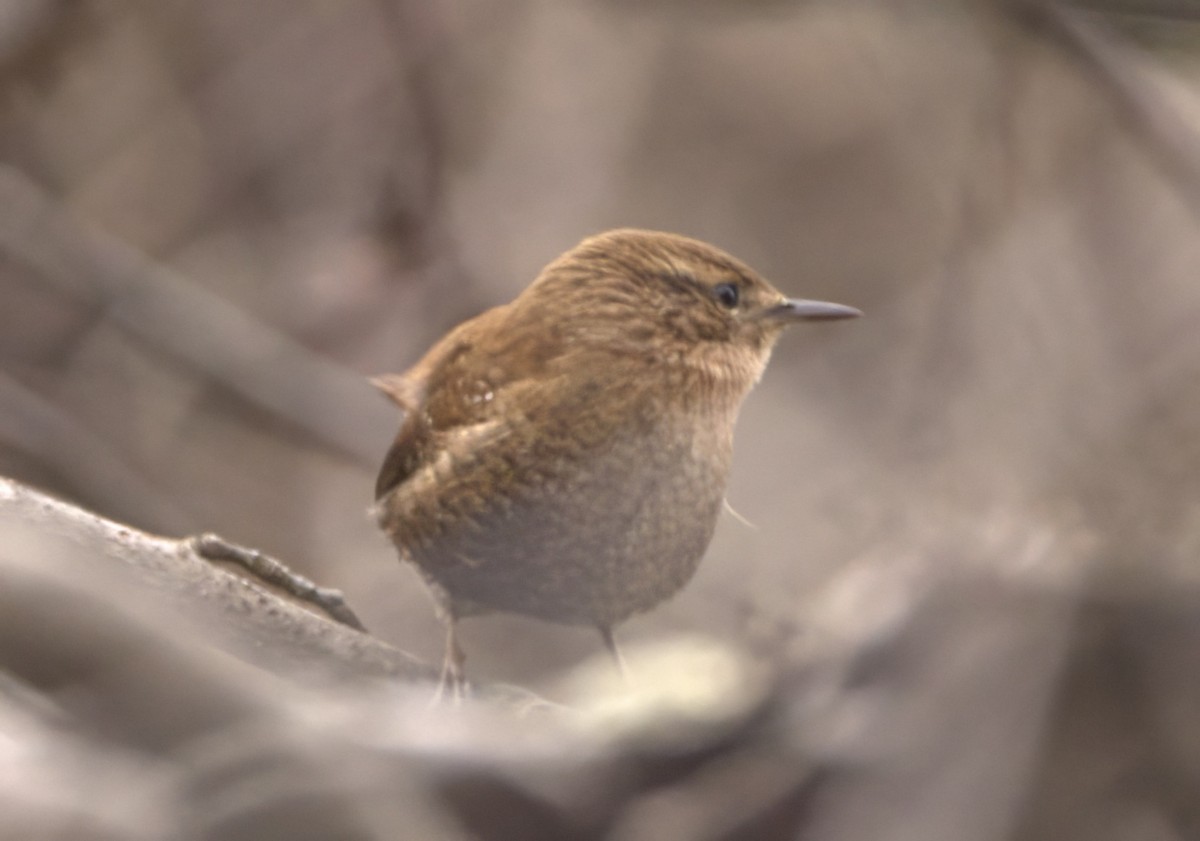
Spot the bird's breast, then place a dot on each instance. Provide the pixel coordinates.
(580, 532)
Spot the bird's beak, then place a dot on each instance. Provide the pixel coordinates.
(797, 309)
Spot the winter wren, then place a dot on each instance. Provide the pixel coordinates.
(564, 456)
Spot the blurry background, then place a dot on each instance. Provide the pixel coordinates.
(217, 216)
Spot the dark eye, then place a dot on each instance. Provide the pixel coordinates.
(727, 294)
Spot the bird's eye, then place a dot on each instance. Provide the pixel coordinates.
(727, 294)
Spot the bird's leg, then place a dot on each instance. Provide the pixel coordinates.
(453, 680)
(610, 642)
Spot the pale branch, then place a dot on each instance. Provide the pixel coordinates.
(235, 614)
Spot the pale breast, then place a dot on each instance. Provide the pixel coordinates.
(591, 539)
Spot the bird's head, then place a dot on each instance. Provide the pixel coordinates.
(679, 299)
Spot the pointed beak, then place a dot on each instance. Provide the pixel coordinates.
(797, 309)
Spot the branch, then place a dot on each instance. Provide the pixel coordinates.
(229, 612)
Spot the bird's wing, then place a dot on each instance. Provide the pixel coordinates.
(459, 390)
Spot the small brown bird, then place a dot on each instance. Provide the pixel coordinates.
(564, 456)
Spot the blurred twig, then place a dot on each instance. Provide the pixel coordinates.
(1118, 67)
(161, 308)
(1171, 9)
(31, 423)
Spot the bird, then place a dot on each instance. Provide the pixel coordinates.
(564, 456)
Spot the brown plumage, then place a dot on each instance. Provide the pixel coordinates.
(564, 456)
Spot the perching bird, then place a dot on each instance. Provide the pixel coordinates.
(564, 456)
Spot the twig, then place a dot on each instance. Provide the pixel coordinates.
(274, 572)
